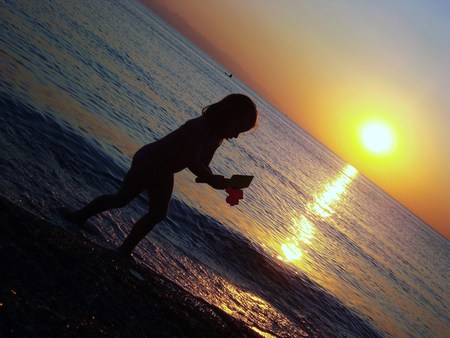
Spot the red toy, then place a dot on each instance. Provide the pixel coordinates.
(234, 195)
(235, 185)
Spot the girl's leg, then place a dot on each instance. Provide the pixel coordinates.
(159, 193)
(132, 186)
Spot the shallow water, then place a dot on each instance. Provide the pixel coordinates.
(314, 248)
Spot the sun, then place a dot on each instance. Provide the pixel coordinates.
(377, 137)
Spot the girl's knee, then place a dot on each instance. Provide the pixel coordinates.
(118, 200)
(156, 216)
(160, 216)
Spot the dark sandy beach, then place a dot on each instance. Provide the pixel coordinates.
(55, 283)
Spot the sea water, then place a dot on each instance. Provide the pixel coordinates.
(314, 249)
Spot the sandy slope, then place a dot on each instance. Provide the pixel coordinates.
(55, 283)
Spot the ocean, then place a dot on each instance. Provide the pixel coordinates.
(314, 249)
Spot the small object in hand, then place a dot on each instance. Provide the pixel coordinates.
(234, 195)
(240, 181)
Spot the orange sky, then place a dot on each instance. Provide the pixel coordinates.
(331, 65)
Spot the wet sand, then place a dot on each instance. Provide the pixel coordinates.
(56, 283)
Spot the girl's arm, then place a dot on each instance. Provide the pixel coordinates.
(205, 175)
(200, 167)
(200, 170)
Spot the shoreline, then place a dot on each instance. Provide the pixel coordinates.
(57, 283)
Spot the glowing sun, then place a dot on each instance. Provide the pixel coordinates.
(377, 137)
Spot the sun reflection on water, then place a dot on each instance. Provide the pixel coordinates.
(291, 252)
(322, 206)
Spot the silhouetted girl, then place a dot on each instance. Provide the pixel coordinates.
(190, 146)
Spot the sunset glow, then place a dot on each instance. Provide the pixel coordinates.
(335, 65)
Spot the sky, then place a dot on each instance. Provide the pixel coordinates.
(334, 66)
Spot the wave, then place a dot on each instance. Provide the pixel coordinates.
(47, 158)
(236, 258)
(44, 160)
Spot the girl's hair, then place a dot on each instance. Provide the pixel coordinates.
(236, 107)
